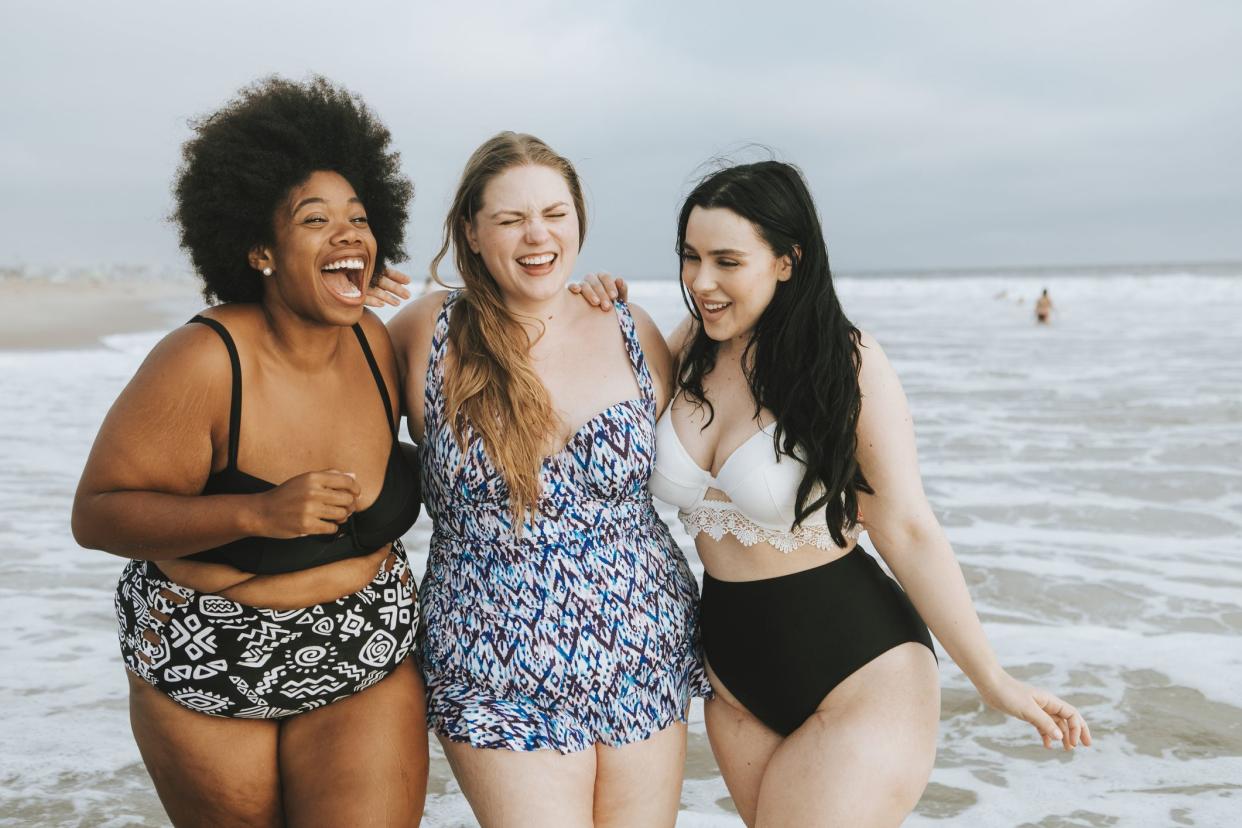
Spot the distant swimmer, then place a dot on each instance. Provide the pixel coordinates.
(1043, 308)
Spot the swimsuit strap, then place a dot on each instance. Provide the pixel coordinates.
(435, 365)
(395, 416)
(235, 404)
(635, 350)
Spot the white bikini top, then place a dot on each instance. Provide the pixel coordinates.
(761, 485)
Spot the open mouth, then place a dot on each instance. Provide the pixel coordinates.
(712, 308)
(537, 263)
(344, 277)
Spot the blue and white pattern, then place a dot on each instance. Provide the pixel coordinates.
(216, 656)
(583, 628)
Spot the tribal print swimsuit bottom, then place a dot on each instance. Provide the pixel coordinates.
(216, 656)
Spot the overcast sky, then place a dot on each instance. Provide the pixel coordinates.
(934, 134)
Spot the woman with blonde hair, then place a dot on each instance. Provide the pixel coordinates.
(559, 642)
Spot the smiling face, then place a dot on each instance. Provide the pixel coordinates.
(729, 271)
(324, 252)
(526, 232)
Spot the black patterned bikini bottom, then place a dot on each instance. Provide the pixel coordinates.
(219, 657)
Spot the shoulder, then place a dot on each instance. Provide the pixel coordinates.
(187, 371)
(681, 336)
(191, 353)
(649, 335)
(871, 354)
(877, 380)
(376, 332)
(417, 320)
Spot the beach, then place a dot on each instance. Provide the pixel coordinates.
(1088, 474)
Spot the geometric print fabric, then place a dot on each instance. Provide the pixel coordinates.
(582, 628)
(222, 658)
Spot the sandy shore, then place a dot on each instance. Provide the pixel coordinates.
(42, 315)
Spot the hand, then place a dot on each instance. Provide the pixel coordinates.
(387, 288)
(600, 288)
(1056, 720)
(315, 503)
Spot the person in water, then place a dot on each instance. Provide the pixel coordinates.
(788, 435)
(251, 473)
(1043, 308)
(559, 639)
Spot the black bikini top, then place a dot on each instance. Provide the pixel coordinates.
(392, 514)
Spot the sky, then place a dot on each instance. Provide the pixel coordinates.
(959, 133)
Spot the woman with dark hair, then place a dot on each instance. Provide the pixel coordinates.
(788, 434)
(559, 637)
(268, 608)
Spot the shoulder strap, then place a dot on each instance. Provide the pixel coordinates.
(235, 403)
(439, 341)
(635, 350)
(394, 416)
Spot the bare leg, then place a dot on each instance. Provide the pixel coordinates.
(361, 760)
(742, 745)
(640, 783)
(864, 757)
(207, 770)
(515, 789)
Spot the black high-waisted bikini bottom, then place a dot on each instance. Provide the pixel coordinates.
(780, 645)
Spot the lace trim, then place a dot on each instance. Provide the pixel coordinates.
(717, 518)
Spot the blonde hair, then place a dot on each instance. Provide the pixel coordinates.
(493, 388)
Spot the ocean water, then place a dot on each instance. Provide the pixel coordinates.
(1088, 473)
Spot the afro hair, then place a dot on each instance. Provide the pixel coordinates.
(246, 157)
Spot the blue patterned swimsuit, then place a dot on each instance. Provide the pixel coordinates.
(583, 630)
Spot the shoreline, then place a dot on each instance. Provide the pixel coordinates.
(40, 315)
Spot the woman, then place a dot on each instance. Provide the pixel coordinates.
(559, 647)
(789, 431)
(282, 610)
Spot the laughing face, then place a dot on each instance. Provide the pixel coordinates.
(527, 233)
(729, 271)
(324, 251)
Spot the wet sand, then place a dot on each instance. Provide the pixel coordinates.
(37, 314)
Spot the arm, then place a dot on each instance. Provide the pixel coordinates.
(656, 352)
(387, 288)
(139, 493)
(411, 331)
(906, 533)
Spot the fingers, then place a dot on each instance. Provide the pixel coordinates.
(335, 514)
(1042, 722)
(620, 290)
(393, 275)
(338, 481)
(587, 291)
(395, 288)
(1070, 721)
(601, 285)
(375, 297)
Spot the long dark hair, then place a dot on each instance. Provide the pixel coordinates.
(802, 359)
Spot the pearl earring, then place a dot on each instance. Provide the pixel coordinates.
(267, 271)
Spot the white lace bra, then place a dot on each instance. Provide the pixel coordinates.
(761, 485)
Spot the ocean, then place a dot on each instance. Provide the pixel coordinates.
(1088, 473)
